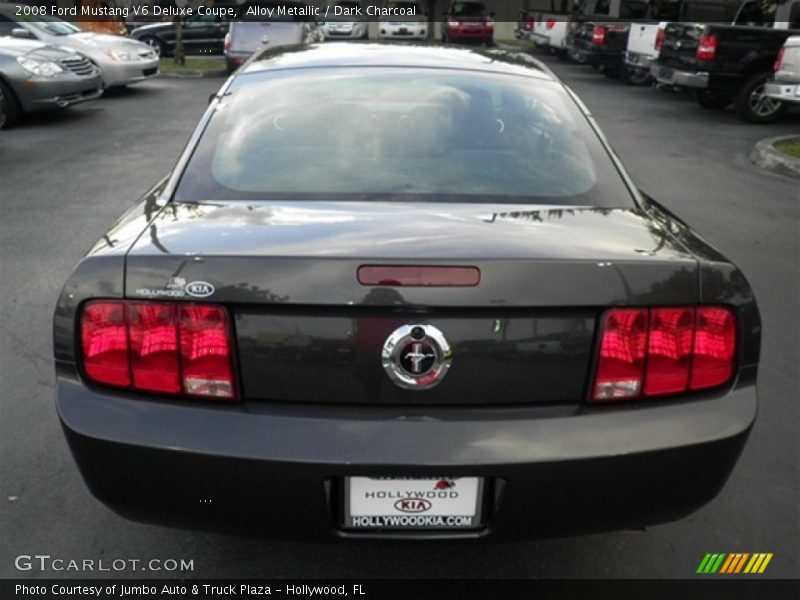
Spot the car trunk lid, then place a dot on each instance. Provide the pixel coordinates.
(307, 330)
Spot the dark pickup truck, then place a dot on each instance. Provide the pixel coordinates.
(727, 64)
(601, 45)
(598, 35)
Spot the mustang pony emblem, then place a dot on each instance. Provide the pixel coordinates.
(416, 357)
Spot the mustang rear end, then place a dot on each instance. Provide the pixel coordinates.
(403, 293)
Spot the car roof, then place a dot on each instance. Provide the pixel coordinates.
(376, 54)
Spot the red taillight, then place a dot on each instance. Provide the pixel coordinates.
(660, 351)
(162, 347)
(707, 47)
(104, 340)
(714, 347)
(418, 276)
(620, 368)
(154, 347)
(205, 351)
(669, 350)
(228, 43)
(530, 23)
(550, 24)
(779, 60)
(599, 35)
(662, 33)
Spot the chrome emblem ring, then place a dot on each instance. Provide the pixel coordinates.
(416, 357)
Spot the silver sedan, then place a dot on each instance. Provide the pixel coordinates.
(35, 76)
(122, 60)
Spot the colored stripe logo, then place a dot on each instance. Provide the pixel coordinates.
(734, 563)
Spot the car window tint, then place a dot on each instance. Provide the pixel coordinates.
(602, 7)
(468, 9)
(378, 134)
(50, 25)
(6, 26)
(756, 14)
(794, 16)
(708, 11)
(633, 9)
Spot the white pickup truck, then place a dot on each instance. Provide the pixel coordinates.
(786, 84)
(644, 42)
(550, 32)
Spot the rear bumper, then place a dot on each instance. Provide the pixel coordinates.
(637, 60)
(595, 56)
(670, 76)
(125, 73)
(237, 57)
(411, 32)
(275, 471)
(466, 35)
(785, 92)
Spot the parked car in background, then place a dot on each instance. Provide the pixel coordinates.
(645, 38)
(785, 85)
(550, 26)
(644, 43)
(485, 314)
(598, 34)
(730, 64)
(404, 27)
(122, 61)
(525, 24)
(202, 34)
(257, 31)
(468, 21)
(345, 21)
(36, 76)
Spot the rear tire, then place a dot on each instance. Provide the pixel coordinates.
(576, 57)
(230, 66)
(753, 106)
(9, 106)
(636, 76)
(711, 100)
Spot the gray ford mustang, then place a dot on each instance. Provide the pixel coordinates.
(403, 292)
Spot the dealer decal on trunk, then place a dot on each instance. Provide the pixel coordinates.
(178, 288)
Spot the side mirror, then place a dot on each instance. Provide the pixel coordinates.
(22, 33)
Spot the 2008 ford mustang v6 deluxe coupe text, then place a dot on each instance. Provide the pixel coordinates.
(403, 292)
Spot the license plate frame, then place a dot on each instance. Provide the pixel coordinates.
(472, 491)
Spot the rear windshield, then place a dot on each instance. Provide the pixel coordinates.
(400, 135)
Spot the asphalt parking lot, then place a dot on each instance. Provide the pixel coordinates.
(64, 178)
